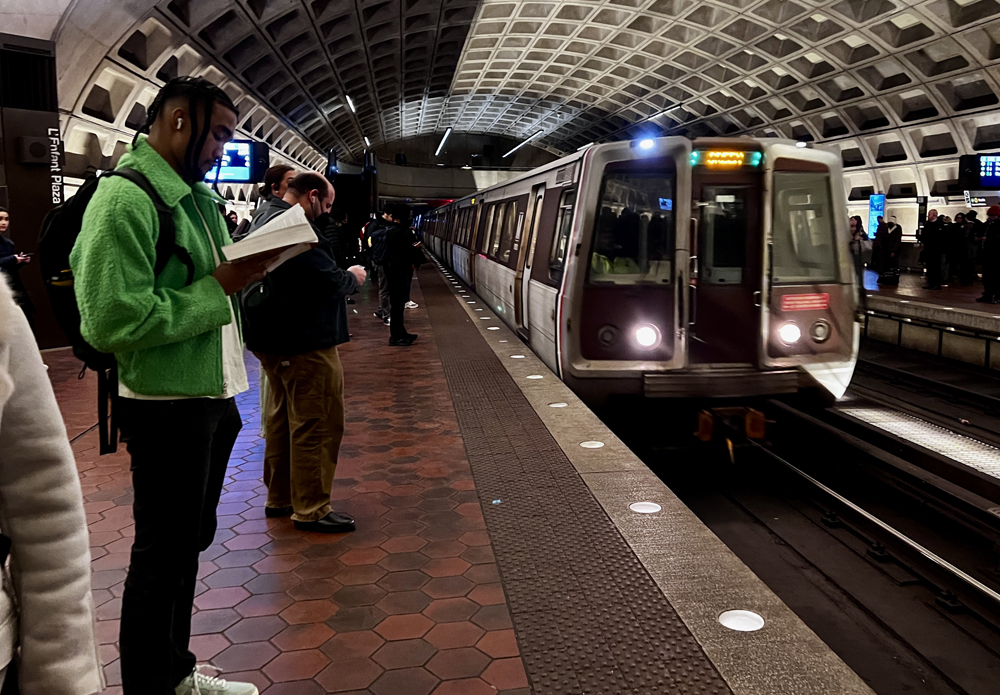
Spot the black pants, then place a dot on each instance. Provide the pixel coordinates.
(399, 295)
(934, 260)
(991, 278)
(180, 450)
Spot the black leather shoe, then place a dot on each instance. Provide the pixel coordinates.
(401, 342)
(334, 522)
(411, 336)
(275, 512)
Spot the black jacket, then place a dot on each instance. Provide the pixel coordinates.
(10, 268)
(934, 236)
(402, 254)
(302, 308)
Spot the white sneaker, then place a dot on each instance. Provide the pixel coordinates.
(200, 684)
(411, 305)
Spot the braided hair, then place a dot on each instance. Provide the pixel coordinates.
(200, 93)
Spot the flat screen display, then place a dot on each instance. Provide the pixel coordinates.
(989, 171)
(876, 208)
(237, 163)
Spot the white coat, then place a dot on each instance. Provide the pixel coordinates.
(41, 511)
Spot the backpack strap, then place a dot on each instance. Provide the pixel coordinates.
(166, 241)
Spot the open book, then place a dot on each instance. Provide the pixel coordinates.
(290, 231)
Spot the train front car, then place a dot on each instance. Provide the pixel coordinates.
(714, 269)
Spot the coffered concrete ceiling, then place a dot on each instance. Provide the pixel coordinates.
(900, 86)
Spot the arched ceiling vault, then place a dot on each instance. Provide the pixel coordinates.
(902, 87)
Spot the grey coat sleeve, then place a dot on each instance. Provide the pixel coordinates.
(41, 510)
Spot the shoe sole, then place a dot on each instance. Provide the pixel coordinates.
(343, 528)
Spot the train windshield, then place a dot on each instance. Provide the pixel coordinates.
(634, 232)
(803, 230)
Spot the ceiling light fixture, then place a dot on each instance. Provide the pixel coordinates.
(444, 138)
(350, 104)
(523, 143)
(367, 141)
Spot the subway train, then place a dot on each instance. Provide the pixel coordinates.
(665, 267)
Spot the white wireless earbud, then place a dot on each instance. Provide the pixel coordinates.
(180, 122)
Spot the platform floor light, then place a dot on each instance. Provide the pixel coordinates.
(523, 143)
(350, 104)
(444, 139)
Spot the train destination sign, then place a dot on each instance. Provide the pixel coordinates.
(805, 302)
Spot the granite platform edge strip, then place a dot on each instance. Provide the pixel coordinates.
(697, 573)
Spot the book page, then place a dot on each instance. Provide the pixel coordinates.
(290, 228)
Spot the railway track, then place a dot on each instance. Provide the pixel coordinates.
(888, 550)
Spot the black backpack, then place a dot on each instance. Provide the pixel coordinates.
(379, 242)
(60, 230)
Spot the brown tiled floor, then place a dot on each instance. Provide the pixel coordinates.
(911, 286)
(409, 604)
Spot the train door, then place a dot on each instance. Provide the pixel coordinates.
(724, 314)
(522, 281)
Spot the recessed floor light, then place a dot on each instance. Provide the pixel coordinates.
(484, 318)
(558, 405)
(517, 357)
(645, 507)
(741, 621)
(493, 328)
(591, 445)
(502, 341)
(534, 376)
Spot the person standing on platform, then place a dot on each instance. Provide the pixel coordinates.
(375, 238)
(47, 609)
(977, 235)
(991, 257)
(275, 184)
(11, 263)
(401, 249)
(176, 339)
(295, 321)
(933, 238)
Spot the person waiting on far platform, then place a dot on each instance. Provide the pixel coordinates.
(991, 257)
(296, 319)
(933, 238)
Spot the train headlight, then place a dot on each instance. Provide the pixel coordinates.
(647, 144)
(647, 336)
(789, 333)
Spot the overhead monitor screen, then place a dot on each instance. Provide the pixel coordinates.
(237, 163)
(989, 171)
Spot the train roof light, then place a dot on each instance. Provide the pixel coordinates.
(801, 144)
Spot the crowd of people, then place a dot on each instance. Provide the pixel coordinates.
(177, 332)
(954, 250)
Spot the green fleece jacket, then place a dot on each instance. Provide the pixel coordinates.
(166, 337)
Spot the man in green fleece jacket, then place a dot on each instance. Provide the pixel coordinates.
(180, 364)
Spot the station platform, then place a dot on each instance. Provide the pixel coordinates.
(946, 322)
(498, 551)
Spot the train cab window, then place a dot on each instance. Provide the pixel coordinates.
(723, 215)
(803, 230)
(634, 232)
(560, 241)
(506, 238)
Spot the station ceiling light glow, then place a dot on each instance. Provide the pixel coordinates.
(444, 139)
(350, 104)
(367, 141)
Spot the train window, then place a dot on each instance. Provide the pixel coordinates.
(560, 242)
(493, 244)
(507, 236)
(802, 235)
(634, 232)
(723, 215)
